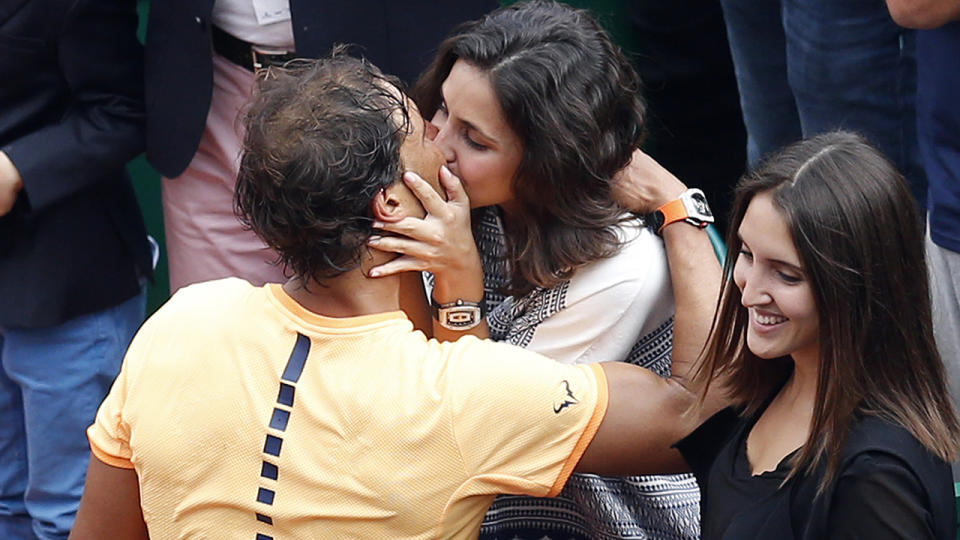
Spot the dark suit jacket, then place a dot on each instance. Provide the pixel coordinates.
(70, 118)
(399, 36)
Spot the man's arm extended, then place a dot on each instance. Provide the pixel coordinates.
(110, 507)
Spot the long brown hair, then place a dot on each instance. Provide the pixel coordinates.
(573, 98)
(859, 237)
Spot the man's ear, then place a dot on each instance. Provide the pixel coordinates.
(388, 206)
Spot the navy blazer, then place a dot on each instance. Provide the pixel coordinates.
(399, 36)
(71, 116)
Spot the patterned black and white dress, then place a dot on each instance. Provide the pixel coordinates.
(619, 308)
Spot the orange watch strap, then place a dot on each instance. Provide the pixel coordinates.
(673, 212)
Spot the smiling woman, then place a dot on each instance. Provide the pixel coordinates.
(774, 287)
(845, 428)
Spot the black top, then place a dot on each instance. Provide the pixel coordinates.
(887, 486)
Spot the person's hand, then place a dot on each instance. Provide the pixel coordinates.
(10, 184)
(643, 185)
(441, 242)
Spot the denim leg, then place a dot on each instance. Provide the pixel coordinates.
(758, 47)
(63, 373)
(14, 519)
(851, 67)
(943, 266)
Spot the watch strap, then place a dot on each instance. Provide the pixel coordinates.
(691, 206)
(672, 212)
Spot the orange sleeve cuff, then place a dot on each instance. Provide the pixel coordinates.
(105, 457)
(599, 411)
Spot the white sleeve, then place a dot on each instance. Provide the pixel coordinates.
(610, 304)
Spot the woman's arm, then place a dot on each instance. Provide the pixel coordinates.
(110, 507)
(642, 187)
(414, 302)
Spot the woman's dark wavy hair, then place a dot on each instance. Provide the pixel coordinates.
(322, 138)
(574, 100)
(859, 237)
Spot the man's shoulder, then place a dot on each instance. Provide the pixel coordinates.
(470, 348)
(202, 320)
(475, 361)
(212, 293)
(208, 302)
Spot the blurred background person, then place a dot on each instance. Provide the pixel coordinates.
(938, 127)
(73, 249)
(808, 66)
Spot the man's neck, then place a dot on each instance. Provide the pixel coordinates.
(351, 294)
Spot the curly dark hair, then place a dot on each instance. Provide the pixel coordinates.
(322, 138)
(574, 100)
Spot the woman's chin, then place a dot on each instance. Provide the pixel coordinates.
(763, 350)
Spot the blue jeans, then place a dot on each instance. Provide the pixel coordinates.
(804, 67)
(51, 383)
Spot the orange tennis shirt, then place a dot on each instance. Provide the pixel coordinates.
(247, 416)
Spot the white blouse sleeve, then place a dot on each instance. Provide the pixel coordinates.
(611, 305)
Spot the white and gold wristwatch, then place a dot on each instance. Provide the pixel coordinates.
(459, 315)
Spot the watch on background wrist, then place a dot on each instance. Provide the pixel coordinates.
(691, 207)
(459, 315)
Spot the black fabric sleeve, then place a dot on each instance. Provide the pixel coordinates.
(878, 497)
(700, 448)
(101, 65)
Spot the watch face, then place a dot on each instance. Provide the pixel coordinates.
(700, 204)
(460, 317)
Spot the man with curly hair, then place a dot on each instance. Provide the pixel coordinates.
(314, 409)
